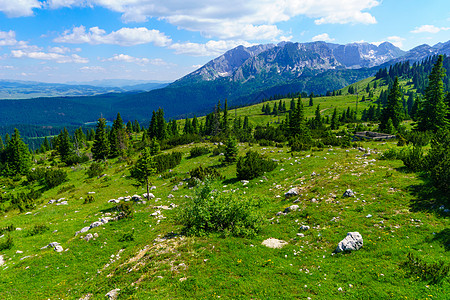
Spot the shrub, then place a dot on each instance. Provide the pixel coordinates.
(167, 161)
(54, 178)
(7, 244)
(390, 154)
(9, 228)
(74, 159)
(95, 169)
(127, 237)
(433, 272)
(413, 158)
(219, 149)
(125, 210)
(38, 229)
(201, 174)
(266, 143)
(438, 161)
(215, 212)
(199, 151)
(253, 165)
(36, 174)
(89, 199)
(419, 138)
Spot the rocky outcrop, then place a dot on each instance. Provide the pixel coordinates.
(352, 242)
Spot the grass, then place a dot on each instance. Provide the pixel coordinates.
(146, 256)
(232, 267)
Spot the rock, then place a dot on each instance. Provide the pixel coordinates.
(88, 237)
(91, 193)
(150, 196)
(291, 208)
(304, 227)
(136, 198)
(58, 248)
(153, 187)
(175, 188)
(84, 229)
(292, 192)
(95, 224)
(2, 261)
(349, 193)
(280, 213)
(352, 242)
(86, 297)
(300, 234)
(113, 201)
(274, 243)
(62, 203)
(19, 252)
(51, 201)
(245, 182)
(113, 294)
(170, 196)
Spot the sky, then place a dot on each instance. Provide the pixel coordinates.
(162, 40)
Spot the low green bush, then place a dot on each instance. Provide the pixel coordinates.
(198, 151)
(164, 162)
(8, 244)
(95, 169)
(125, 210)
(253, 165)
(225, 213)
(432, 272)
(413, 158)
(54, 177)
(89, 199)
(38, 229)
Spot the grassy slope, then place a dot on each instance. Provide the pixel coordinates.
(207, 267)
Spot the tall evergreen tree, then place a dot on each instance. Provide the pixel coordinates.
(224, 124)
(2, 146)
(433, 112)
(187, 126)
(100, 148)
(153, 125)
(143, 169)
(64, 146)
(394, 108)
(18, 157)
(311, 102)
(161, 128)
(230, 150)
(118, 138)
(195, 125)
(334, 120)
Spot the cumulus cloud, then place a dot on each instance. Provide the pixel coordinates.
(94, 69)
(20, 8)
(234, 19)
(211, 48)
(429, 29)
(322, 37)
(123, 37)
(136, 60)
(59, 58)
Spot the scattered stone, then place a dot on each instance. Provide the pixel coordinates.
(88, 237)
(113, 201)
(150, 196)
(136, 198)
(113, 294)
(349, 193)
(153, 187)
(2, 261)
(170, 196)
(91, 193)
(245, 182)
(369, 216)
(274, 243)
(280, 213)
(300, 234)
(59, 248)
(304, 227)
(62, 203)
(291, 208)
(292, 192)
(86, 297)
(352, 242)
(175, 188)
(19, 252)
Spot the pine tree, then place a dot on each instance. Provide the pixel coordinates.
(231, 150)
(195, 126)
(100, 149)
(136, 126)
(433, 113)
(18, 157)
(152, 126)
(154, 147)
(143, 169)
(2, 146)
(187, 126)
(275, 109)
(118, 138)
(311, 103)
(394, 108)
(318, 123)
(292, 105)
(161, 127)
(224, 124)
(64, 145)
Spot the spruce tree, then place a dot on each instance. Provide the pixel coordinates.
(2, 146)
(433, 112)
(230, 150)
(100, 149)
(18, 157)
(195, 126)
(161, 127)
(394, 108)
(143, 169)
(224, 124)
(334, 120)
(311, 103)
(187, 126)
(64, 145)
(118, 138)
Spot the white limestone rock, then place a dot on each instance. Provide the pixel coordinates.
(352, 242)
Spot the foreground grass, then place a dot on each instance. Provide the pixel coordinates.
(393, 218)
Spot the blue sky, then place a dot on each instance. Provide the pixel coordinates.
(83, 40)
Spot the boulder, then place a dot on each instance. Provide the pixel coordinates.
(304, 227)
(113, 294)
(352, 242)
(58, 248)
(113, 201)
(291, 208)
(349, 193)
(88, 237)
(150, 196)
(175, 188)
(136, 198)
(274, 243)
(292, 192)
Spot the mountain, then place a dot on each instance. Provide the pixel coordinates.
(243, 75)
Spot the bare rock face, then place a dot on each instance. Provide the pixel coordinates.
(352, 242)
(274, 243)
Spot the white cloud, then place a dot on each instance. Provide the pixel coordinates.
(396, 41)
(322, 37)
(60, 50)
(94, 69)
(18, 8)
(429, 29)
(136, 60)
(211, 48)
(59, 58)
(7, 38)
(123, 37)
(234, 19)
